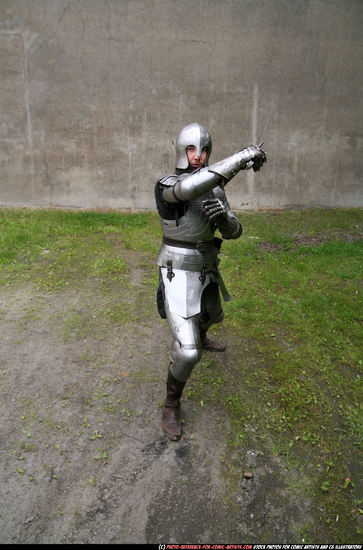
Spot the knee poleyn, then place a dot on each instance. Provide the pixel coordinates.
(189, 357)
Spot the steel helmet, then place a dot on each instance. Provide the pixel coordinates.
(193, 134)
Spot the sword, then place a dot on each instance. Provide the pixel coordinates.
(259, 141)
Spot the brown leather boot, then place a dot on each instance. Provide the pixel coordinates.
(171, 414)
(208, 344)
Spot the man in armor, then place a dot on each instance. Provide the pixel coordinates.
(192, 205)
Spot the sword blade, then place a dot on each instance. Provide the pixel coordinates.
(259, 141)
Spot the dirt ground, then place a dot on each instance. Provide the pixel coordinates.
(83, 456)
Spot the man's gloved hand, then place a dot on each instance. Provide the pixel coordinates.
(259, 160)
(257, 157)
(215, 210)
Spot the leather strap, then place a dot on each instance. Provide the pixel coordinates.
(185, 244)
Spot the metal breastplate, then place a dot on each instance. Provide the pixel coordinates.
(193, 226)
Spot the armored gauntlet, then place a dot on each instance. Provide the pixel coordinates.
(215, 210)
(223, 217)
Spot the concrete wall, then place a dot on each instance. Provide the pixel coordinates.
(93, 92)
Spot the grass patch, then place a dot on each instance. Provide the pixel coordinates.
(298, 297)
(56, 248)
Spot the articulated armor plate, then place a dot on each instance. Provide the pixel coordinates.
(191, 206)
(188, 259)
(194, 226)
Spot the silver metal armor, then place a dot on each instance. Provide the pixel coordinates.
(193, 134)
(192, 205)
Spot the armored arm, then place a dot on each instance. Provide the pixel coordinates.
(191, 186)
(230, 228)
(220, 213)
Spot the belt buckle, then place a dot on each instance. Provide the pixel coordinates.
(201, 246)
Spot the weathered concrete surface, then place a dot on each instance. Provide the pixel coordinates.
(92, 93)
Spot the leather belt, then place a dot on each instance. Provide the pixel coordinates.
(202, 246)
